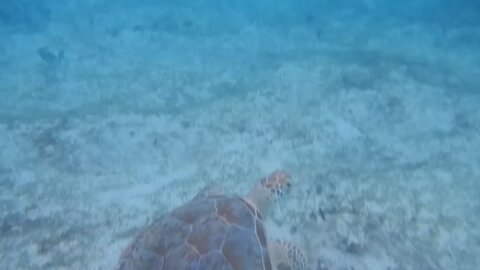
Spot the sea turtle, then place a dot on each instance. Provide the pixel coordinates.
(215, 231)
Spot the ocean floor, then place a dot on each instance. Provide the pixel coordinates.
(107, 125)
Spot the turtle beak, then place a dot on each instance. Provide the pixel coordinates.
(278, 183)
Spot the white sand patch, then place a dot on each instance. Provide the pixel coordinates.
(380, 132)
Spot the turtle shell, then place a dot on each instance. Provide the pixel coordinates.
(210, 232)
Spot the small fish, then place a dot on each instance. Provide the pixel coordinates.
(47, 55)
(50, 57)
(321, 213)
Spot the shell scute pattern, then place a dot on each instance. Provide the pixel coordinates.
(260, 230)
(148, 250)
(236, 212)
(209, 232)
(195, 210)
(213, 260)
(176, 230)
(240, 252)
(182, 257)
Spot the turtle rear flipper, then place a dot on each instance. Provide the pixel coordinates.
(288, 256)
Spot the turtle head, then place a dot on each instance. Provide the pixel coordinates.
(269, 189)
(277, 184)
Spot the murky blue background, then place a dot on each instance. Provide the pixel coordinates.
(106, 106)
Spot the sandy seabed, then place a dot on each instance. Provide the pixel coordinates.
(379, 126)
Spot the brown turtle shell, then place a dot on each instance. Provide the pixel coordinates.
(210, 232)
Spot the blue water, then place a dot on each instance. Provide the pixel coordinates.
(113, 112)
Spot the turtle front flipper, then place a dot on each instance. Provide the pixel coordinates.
(287, 256)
